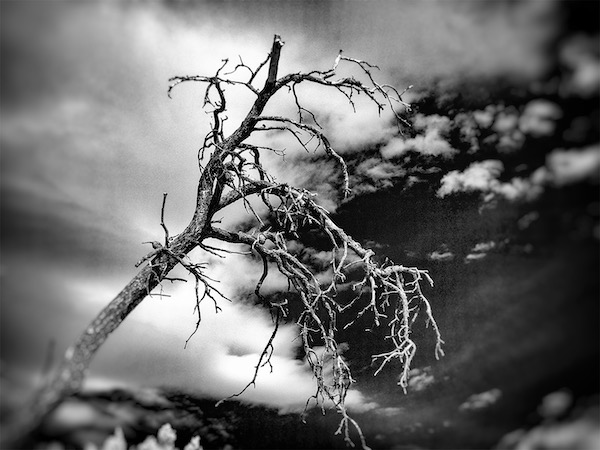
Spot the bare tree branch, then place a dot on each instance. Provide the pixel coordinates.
(388, 295)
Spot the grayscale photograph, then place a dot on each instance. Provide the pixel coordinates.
(311, 224)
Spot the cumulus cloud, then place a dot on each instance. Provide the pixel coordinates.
(482, 176)
(563, 167)
(353, 131)
(478, 177)
(572, 166)
(373, 175)
(539, 118)
(495, 125)
(506, 120)
(509, 136)
(484, 118)
(469, 130)
(431, 142)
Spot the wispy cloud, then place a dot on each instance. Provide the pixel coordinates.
(481, 401)
(480, 251)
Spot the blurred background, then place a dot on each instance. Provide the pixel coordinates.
(494, 190)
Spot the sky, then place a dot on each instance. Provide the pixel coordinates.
(505, 120)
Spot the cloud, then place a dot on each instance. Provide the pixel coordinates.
(481, 401)
(478, 177)
(579, 55)
(485, 118)
(219, 360)
(525, 221)
(469, 130)
(539, 118)
(509, 136)
(440, 256)
(484, 247)
(495, 126)
(420, 379)
(517, 189)
(353, 131)
(373, 175)
(555, 404)
(572, 166)
(506, 120)
(483, 177)
(480, 251)
(481, 39)
(563, 167)
(475, 257)
(432, 142)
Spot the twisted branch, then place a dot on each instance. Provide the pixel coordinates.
(389, 294)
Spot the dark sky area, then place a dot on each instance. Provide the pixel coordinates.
(494, 190)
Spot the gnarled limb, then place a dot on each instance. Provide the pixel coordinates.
(390, 294)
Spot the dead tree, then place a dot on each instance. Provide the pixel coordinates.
(233, 172)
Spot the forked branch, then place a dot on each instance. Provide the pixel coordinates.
(232, 170)
(389, 294)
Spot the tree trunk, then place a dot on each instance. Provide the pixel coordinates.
(69, 377)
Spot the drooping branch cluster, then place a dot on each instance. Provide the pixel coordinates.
(390, 294)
